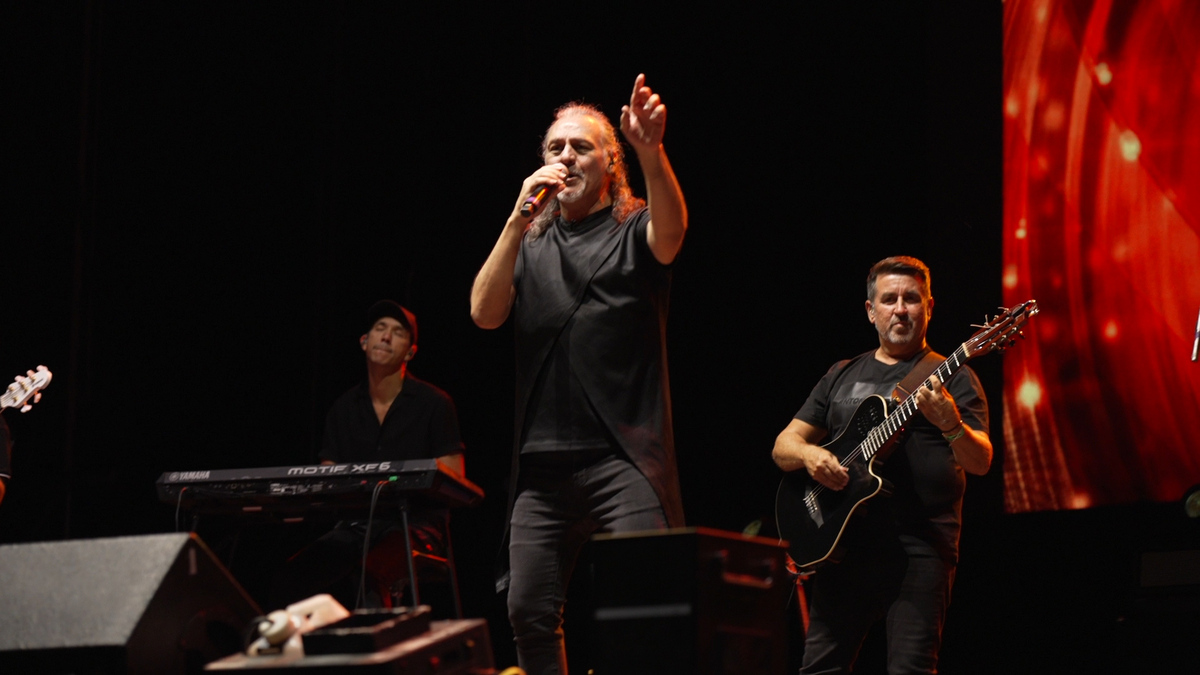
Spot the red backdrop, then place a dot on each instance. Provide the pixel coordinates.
(1101, 207)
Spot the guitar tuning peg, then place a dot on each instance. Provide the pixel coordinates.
(26, 408)
(37, 398)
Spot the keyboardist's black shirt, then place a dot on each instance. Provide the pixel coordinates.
(421, 424)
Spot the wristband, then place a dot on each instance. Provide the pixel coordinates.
(955, 433)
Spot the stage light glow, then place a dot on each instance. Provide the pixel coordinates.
(1029, 394)
(1012, 107)
(1010, 276)
(1131, 147)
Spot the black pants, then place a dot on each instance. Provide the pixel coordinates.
(902, 580)
(559, 506)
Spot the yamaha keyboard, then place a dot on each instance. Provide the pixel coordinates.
(298, 491)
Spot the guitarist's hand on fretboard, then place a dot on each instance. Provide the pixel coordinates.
(972, 451)
(937, 405)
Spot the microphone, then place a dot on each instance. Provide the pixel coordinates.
(535, 200)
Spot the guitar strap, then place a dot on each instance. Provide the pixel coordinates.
(917, 376)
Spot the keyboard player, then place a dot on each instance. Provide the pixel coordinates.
(389, 415)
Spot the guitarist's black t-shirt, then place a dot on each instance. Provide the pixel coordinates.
(928, 483)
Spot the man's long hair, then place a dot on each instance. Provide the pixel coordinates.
(623, 201)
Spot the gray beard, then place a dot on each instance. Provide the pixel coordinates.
(886, 336)
(575, 195)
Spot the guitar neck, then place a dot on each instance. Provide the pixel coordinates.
(890, 427)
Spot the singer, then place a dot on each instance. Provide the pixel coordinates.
(587, 281)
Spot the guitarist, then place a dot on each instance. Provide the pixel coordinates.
(898, 557)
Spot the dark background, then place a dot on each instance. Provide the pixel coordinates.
(200, 200)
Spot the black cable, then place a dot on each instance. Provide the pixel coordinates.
(361, 598)
(179, 507)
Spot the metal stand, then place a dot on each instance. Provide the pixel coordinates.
(447, 562)
(408, 551)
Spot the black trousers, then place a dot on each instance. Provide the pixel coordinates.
(901, 580)
(560, 504)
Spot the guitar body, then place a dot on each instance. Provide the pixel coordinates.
(812, 517)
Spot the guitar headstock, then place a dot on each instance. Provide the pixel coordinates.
(1002, 331)
(25, 387)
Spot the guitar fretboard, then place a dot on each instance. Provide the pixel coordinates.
(887, 430)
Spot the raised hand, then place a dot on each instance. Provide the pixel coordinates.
(644, 120)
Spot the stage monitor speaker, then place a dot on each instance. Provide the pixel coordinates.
(689, 600)
(154, 604)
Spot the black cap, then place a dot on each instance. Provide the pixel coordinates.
(393, 309)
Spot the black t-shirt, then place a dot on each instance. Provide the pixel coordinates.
(421, 424)
(561, 416)
(589, 320)
(928, 482)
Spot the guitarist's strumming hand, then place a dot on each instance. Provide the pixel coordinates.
(824, 467)
(796, 448)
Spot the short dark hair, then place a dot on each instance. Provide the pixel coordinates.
(900, 264)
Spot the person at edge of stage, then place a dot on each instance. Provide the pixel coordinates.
(5, 458)
(391, 415)
(587, 280)
(900, 557)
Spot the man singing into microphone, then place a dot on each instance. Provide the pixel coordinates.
(586, 276)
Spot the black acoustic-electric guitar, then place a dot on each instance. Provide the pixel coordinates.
(811, 517)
